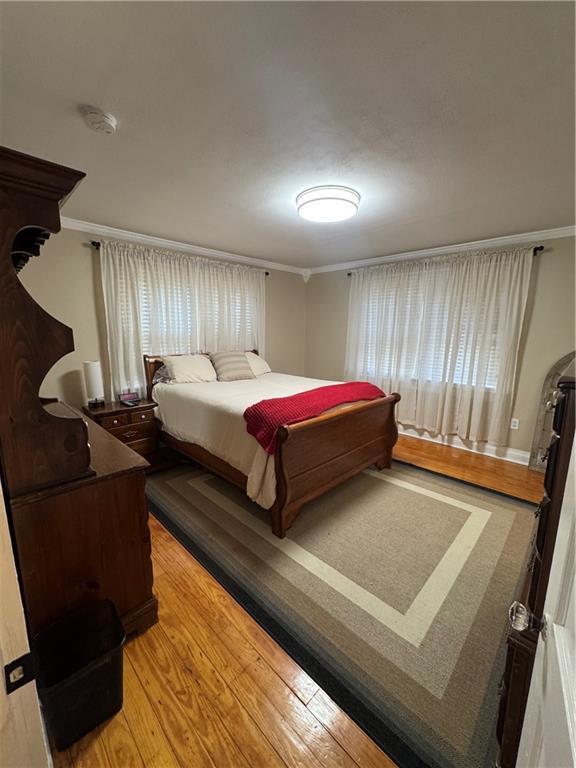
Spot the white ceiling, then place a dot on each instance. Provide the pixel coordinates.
(455, 121)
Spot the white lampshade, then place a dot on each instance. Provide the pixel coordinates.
(93, 379)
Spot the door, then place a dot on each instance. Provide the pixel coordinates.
(22, 741)
(549, 733)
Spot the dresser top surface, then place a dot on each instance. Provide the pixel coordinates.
(108, 457)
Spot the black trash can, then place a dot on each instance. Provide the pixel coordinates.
(78, 662)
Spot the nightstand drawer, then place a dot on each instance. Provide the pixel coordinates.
(143, 446)
(132, 432)
(114, 421)
(141, 416)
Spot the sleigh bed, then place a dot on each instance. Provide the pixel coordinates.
(311, 456)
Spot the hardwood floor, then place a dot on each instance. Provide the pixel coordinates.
(208, 687)
(498, 475)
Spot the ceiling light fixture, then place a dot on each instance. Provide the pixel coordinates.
(326, 204)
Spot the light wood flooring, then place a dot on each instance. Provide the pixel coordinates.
(502, 476)
(208, 687)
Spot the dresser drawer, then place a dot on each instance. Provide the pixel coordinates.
(108, 422)
(141, 416)
(131, 432)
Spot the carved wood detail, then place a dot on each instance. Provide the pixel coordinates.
(27, 243)
(37, 448)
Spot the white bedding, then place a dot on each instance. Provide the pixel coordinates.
(212, 416)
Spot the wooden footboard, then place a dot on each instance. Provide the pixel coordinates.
(312, 456)
(315, 455)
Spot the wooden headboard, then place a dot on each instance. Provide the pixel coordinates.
(153, 363)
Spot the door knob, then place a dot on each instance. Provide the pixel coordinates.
(519, 616)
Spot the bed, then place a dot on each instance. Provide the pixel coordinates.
(204, 421)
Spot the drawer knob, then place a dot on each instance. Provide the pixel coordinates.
(143, 416)
(555, 437)
(130, 433)
(115, 421)
(555, 399)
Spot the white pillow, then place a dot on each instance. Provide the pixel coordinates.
(186, 369)
(258, 364)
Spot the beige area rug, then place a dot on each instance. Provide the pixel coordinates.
(391, 591)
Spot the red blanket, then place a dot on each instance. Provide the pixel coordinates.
(264, 418)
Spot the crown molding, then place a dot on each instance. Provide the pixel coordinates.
(159, 242)
(493, 242)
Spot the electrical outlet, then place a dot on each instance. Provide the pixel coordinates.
(515, 424)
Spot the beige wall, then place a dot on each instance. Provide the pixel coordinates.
(286, 322)
(327, 305)
(548, 331)
(305, 323)
(65, 281)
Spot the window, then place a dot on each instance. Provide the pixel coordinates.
(161, 302)
(444, 333)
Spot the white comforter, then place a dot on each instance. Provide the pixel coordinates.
(212, 416)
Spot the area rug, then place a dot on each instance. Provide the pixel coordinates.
(391, 591)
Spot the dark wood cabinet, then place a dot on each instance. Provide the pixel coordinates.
(88, 539)
(74, 493)
(37, 449)
(522, 643)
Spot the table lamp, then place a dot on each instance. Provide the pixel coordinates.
(94, 383)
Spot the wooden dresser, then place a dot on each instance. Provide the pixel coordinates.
(134, 426)
(88, 538)
(527, 613)
(74, 494)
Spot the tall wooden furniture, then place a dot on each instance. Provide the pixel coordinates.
(36, 448)
(526, 615)
(88, 538)
(75, 494)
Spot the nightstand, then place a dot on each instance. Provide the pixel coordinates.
(134, 426)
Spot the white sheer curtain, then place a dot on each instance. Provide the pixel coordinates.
(163, 302)
(444, 333)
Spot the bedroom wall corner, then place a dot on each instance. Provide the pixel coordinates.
(326, 325)
(286, 322)
(65, 281)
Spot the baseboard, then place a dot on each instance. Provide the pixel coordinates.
(506, 454)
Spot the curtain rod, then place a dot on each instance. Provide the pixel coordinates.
(534, 252)
(96, 244)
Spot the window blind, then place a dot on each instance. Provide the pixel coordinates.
(444, 333)
(163, 302)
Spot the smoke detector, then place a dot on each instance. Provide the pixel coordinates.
(98, 120)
